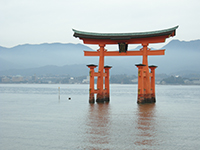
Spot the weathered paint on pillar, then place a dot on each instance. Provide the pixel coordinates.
(153, 97)
(107, 84)
(140, 98)
(91, 90)
(100, 94)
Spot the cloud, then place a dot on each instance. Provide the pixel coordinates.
(38, 21)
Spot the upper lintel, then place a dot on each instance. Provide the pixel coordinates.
(124, 36)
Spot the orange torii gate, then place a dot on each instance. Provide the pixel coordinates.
(146, 79)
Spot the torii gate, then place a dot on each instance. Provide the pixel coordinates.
(146, 79)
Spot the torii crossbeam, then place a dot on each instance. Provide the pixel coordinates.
(146, 79)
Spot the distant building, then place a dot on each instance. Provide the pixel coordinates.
(86, 80)
(34, 78)
(197, 81)
(17, 78)
(134, 80)
(5, 80)
(71, 80)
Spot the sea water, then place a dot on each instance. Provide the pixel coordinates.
(42, 117)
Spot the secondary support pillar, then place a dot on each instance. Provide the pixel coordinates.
(107, 84)
(153, 97)
(91, 90)
(140, 98)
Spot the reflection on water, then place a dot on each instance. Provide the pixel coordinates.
(146, 125)
(32, 118)
(98, 125)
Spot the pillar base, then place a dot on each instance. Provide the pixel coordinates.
(145, 98)
(106, 97)
(153, 97)
(100, 98)
(91, 98)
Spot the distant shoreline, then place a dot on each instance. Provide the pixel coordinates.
(88, 84)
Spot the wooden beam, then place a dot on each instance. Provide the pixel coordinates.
(128, 53)
(156, 52)
(96, 74)
(91, 53)
(159, 39)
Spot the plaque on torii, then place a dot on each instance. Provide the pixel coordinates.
(146, 77)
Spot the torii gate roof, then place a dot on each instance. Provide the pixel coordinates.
(108, 37)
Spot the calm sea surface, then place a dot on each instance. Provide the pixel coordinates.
(32, 117)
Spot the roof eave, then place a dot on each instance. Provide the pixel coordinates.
(124, 36)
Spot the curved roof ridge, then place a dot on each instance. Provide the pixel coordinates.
(77, 32)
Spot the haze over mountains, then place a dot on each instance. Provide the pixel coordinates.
(57, 58)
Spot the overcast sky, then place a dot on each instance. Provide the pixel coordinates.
(48, 21)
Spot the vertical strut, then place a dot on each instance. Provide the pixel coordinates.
(153, 95)
(91, 90)
(107, 84)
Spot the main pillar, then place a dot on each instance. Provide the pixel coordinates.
(100, 94)
(147, 89)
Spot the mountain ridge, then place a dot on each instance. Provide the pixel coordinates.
(180, 56)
